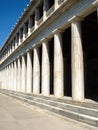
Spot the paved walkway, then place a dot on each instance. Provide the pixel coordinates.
(16, 116)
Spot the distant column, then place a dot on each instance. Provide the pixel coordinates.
(29, 72)
(15, 75)
(19, 75)
(46, 6)
(9, 76)
(56, 4)
(45, 69)
(23, 89)
(36, 72)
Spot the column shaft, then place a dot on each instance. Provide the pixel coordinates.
(15, 75)
(9, 76)
(23, 89)
(19, 75)
(29, 72)
(58, 66)
(36, 72)
(45, 69)
(77, 63)
(46, 6)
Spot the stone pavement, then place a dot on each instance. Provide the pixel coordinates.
(14, 115)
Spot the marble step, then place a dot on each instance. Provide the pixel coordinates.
(72, 107)
(60, 111)
(63, 100)
(75, 108)
(86, 115)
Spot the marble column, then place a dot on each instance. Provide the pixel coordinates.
(45, 69)
(36, 72)
(23, 89)
(56, 4)
(77, 62)
(46, 6)
(29, 26)
(19, 75)
(15, 75)
(29, 72)
(36, 17)
(9, 76)
(58, 65)
(12, 76)
(0, 79)
(3, 78)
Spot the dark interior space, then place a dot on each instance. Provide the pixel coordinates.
(51, 58)
(90, 49)
(26, 27)
(40, 10)
(40, 60)
(51, 3)
(32, 19)
(66, 36)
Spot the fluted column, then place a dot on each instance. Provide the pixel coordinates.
(29, 72)
(77, 62)
(45, 69)
(23, 89)
(46, 6)
(19, 75)
(15, 75)
(36, 17)
(12, 76)
(36, 72)
(56, 4)
(3, 78)
(58, 65)
(9, 76)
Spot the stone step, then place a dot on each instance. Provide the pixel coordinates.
(76, 108)
(62, 112)
(93, 105)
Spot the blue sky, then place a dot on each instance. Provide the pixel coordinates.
(10, 10)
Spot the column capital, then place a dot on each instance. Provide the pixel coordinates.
(76, 18)
(28, 50)
(44, 39)
(58, 30)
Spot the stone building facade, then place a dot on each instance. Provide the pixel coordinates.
(53, 50)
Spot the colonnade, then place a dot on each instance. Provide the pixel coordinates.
(23, 74)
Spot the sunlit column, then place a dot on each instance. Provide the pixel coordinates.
(77, 62)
